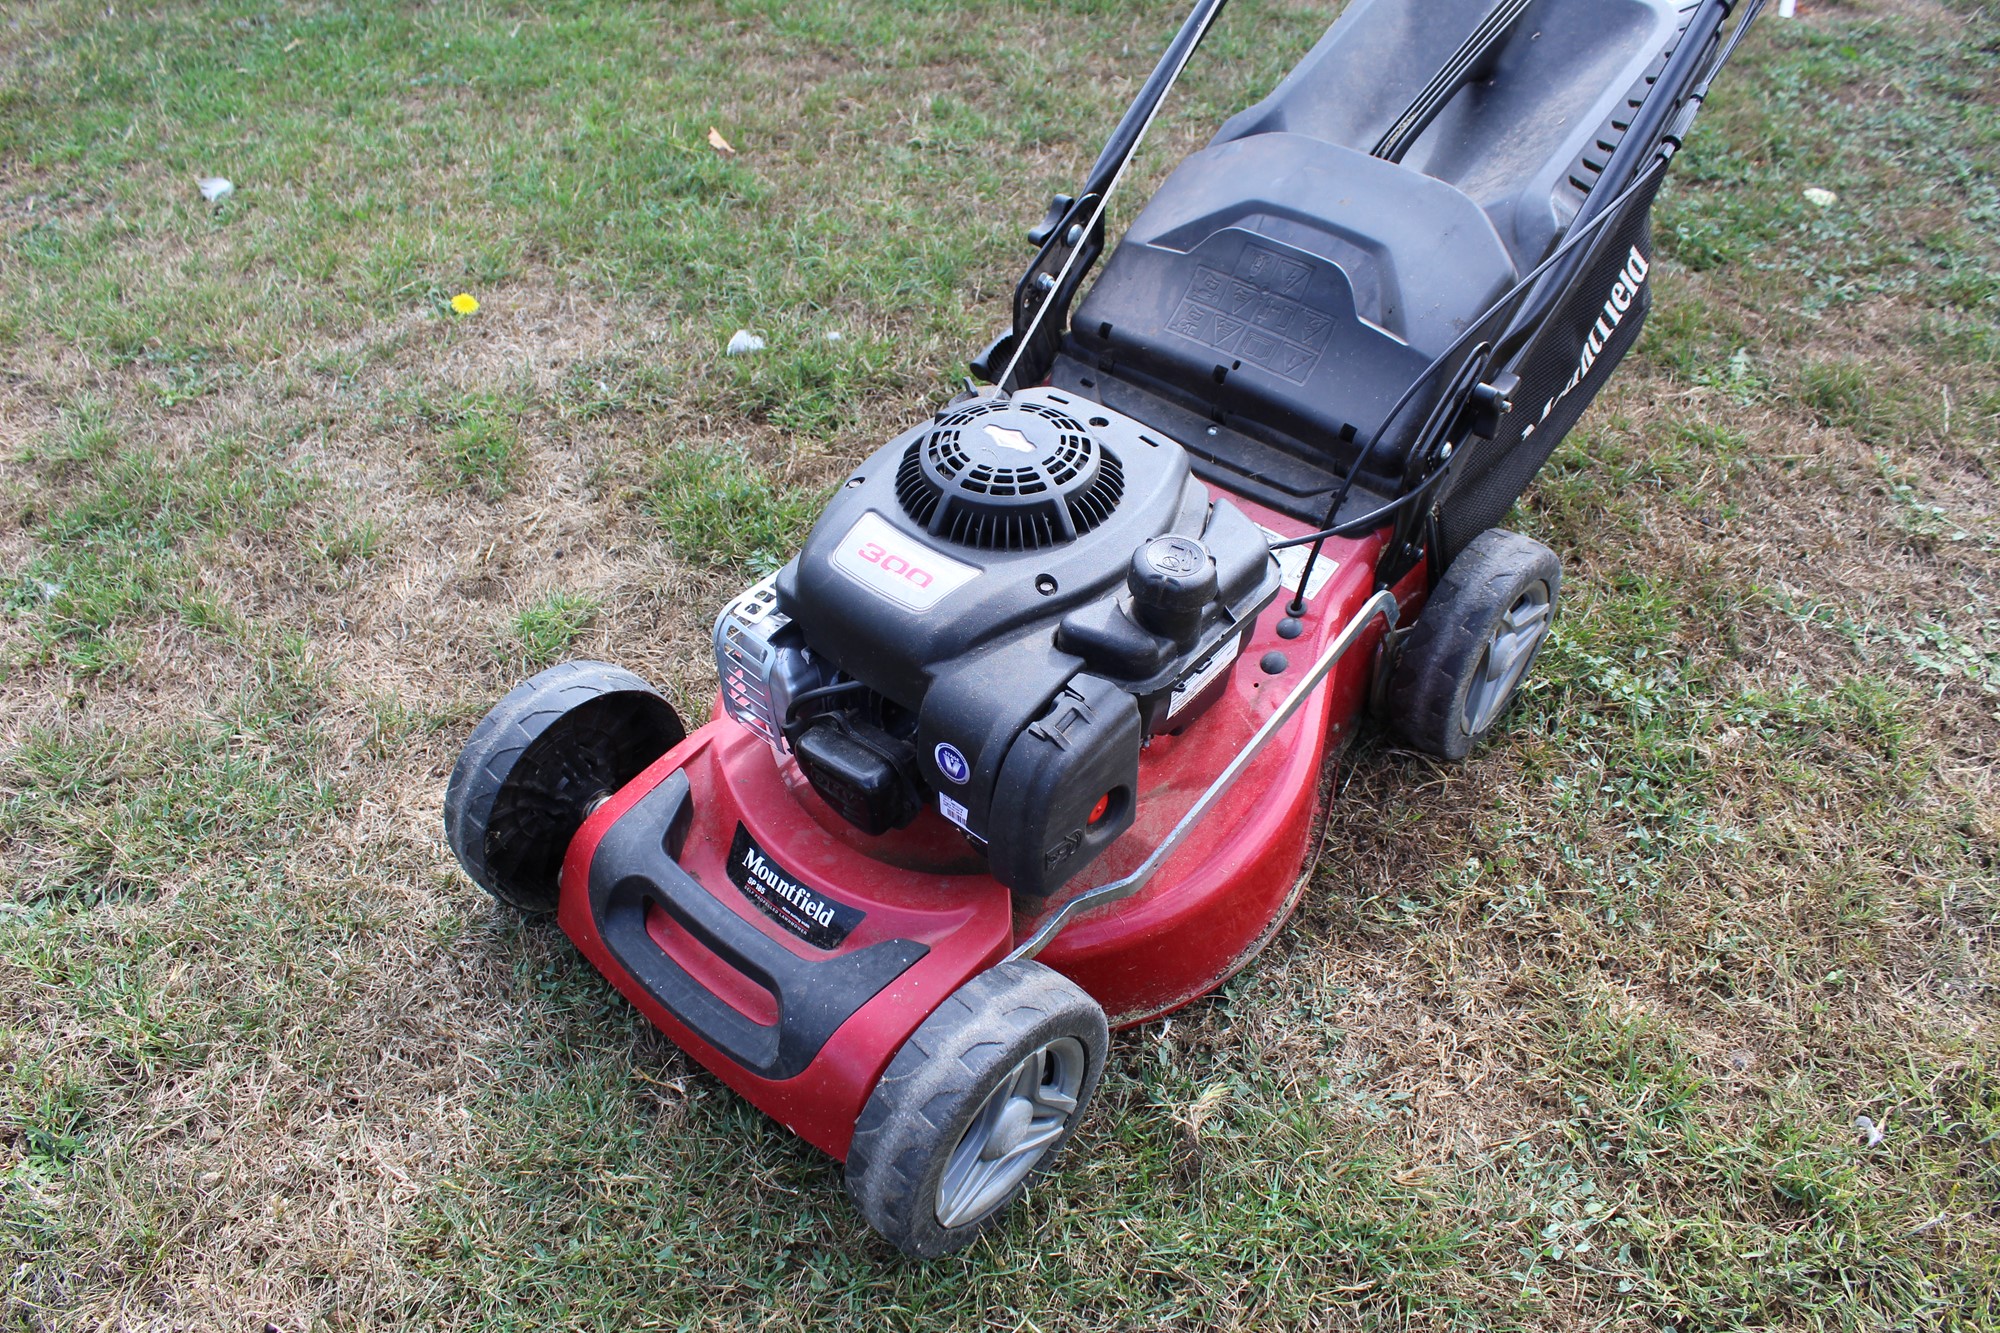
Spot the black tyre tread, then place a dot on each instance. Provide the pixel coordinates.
(500, 739)
(1432, 675)
(505, 732)
(920, 1105)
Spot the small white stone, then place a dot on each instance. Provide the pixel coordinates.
(835, 335)
(215, 189)
(1819, 198)
(743, 342)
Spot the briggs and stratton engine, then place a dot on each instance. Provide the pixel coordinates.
(999, 609)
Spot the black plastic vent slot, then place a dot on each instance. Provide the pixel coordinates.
(1590, 164)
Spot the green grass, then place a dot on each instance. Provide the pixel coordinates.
(482, 454)
(716, 506)
(125, 542)
(545, 629)
(1573, 1036)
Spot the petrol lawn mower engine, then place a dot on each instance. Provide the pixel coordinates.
(1110, 597)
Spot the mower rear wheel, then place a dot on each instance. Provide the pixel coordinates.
(533, 770)
(1463, 664)
(981, 1099)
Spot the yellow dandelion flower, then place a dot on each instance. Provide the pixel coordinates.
(464, 304)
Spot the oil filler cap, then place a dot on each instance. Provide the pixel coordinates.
(1172, 580)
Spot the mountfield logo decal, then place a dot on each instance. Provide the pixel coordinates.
(807, 913)
(897, 567)
(1624, 293)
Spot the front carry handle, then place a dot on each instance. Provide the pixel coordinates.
(634, 870)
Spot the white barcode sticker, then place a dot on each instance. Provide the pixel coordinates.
(1194, 684)
(952, 810)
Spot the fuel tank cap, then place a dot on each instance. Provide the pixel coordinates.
(1172, 580)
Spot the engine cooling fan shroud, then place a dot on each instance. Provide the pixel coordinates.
(1009, 476)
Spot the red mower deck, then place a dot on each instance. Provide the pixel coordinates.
(1213, 904)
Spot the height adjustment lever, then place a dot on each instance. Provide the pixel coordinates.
(1059, 207)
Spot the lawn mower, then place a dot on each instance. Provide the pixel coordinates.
(1026, 742)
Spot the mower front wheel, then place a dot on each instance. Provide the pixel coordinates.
(536, 767)
(1463, 664)
(981, 1098)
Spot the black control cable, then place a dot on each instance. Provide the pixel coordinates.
(1437, 94)
(1371, 520)
(813, 696)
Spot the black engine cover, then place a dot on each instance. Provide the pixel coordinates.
(893, 603)
(976, 568)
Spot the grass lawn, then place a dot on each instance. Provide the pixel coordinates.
(1572, 1036)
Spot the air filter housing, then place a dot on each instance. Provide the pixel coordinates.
(1009, 476)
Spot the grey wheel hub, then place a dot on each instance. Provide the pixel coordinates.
(1506, 656)
(1015, 1126)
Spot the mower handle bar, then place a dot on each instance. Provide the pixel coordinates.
(1383, 604)
(1076, 226)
